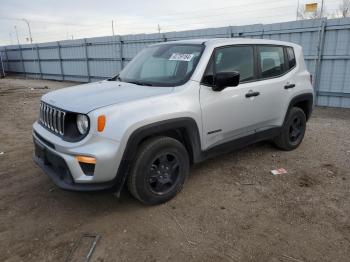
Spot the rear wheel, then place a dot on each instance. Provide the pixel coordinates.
(293, 130)
(159, 170)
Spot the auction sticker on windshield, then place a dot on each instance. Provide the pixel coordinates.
(181, 57)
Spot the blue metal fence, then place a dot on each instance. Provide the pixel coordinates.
(326, 45)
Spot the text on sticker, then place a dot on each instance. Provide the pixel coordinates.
(181, 57)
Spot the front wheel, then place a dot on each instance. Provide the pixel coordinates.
(293, 130)
(159, 170)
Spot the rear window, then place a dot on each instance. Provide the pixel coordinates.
(291, 57)
(271, 61)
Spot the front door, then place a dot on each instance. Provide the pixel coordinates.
(230, 113)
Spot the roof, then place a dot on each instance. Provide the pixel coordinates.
(214, 42)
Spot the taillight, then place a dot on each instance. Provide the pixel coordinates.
(311, 79)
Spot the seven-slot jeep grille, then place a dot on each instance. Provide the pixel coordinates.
(52, 118)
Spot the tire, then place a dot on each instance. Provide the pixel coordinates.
(159, 170)
(293, 130)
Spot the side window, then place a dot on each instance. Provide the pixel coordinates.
(271, 61)
(291, 57)
(236, 58)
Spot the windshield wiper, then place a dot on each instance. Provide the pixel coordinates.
(115, 78)
(139, 83)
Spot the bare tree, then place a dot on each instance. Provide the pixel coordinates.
(344, 8)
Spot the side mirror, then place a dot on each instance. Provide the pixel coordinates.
(225, 79)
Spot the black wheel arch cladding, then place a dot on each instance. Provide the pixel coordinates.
(185, 127)
(303, 101)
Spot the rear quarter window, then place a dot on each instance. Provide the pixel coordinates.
(271, 61)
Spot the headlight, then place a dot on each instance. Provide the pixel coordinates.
(82, 124)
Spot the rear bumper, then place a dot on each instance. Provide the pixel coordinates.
(56, 168)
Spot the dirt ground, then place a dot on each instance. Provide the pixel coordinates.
(231, 208)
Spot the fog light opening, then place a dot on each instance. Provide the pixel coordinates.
(87, 164)
(88, 169)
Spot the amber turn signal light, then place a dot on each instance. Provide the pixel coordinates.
(101, 122)
(86, 159)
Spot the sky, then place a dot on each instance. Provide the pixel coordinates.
(73, 19)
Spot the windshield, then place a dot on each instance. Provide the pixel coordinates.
(162, 65)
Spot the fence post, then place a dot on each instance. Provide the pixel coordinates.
(320, 45)
(7, 60)
(231, 31)
(60, 59)
(2, 66)
(121, 53)
(87, 61)
(39, 62)
(21, 55)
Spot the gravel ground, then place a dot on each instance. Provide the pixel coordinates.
(231, 208)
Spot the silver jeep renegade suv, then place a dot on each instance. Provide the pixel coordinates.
(175, 104)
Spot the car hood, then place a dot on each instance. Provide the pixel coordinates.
(87, 97)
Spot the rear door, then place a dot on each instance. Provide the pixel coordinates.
(274, 85)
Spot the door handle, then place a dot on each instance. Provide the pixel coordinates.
(251, 94)
(289, 86)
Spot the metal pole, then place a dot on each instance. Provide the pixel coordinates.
(114, 47)
(17, 35)
(2, 65)
(7, 60)
(39, 63)
(67, 34)
(11, 39)
(31, 41)
(121, 53)
(297, 14)
(21, 54)
(322, 5)
(231, 31)
(30, 32)
(60, 59)
(113, 27)
(87, 61)
(321, 37)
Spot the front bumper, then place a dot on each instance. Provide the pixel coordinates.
(57, 170)
(57, 160)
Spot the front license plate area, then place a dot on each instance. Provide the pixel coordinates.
(40, 151)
